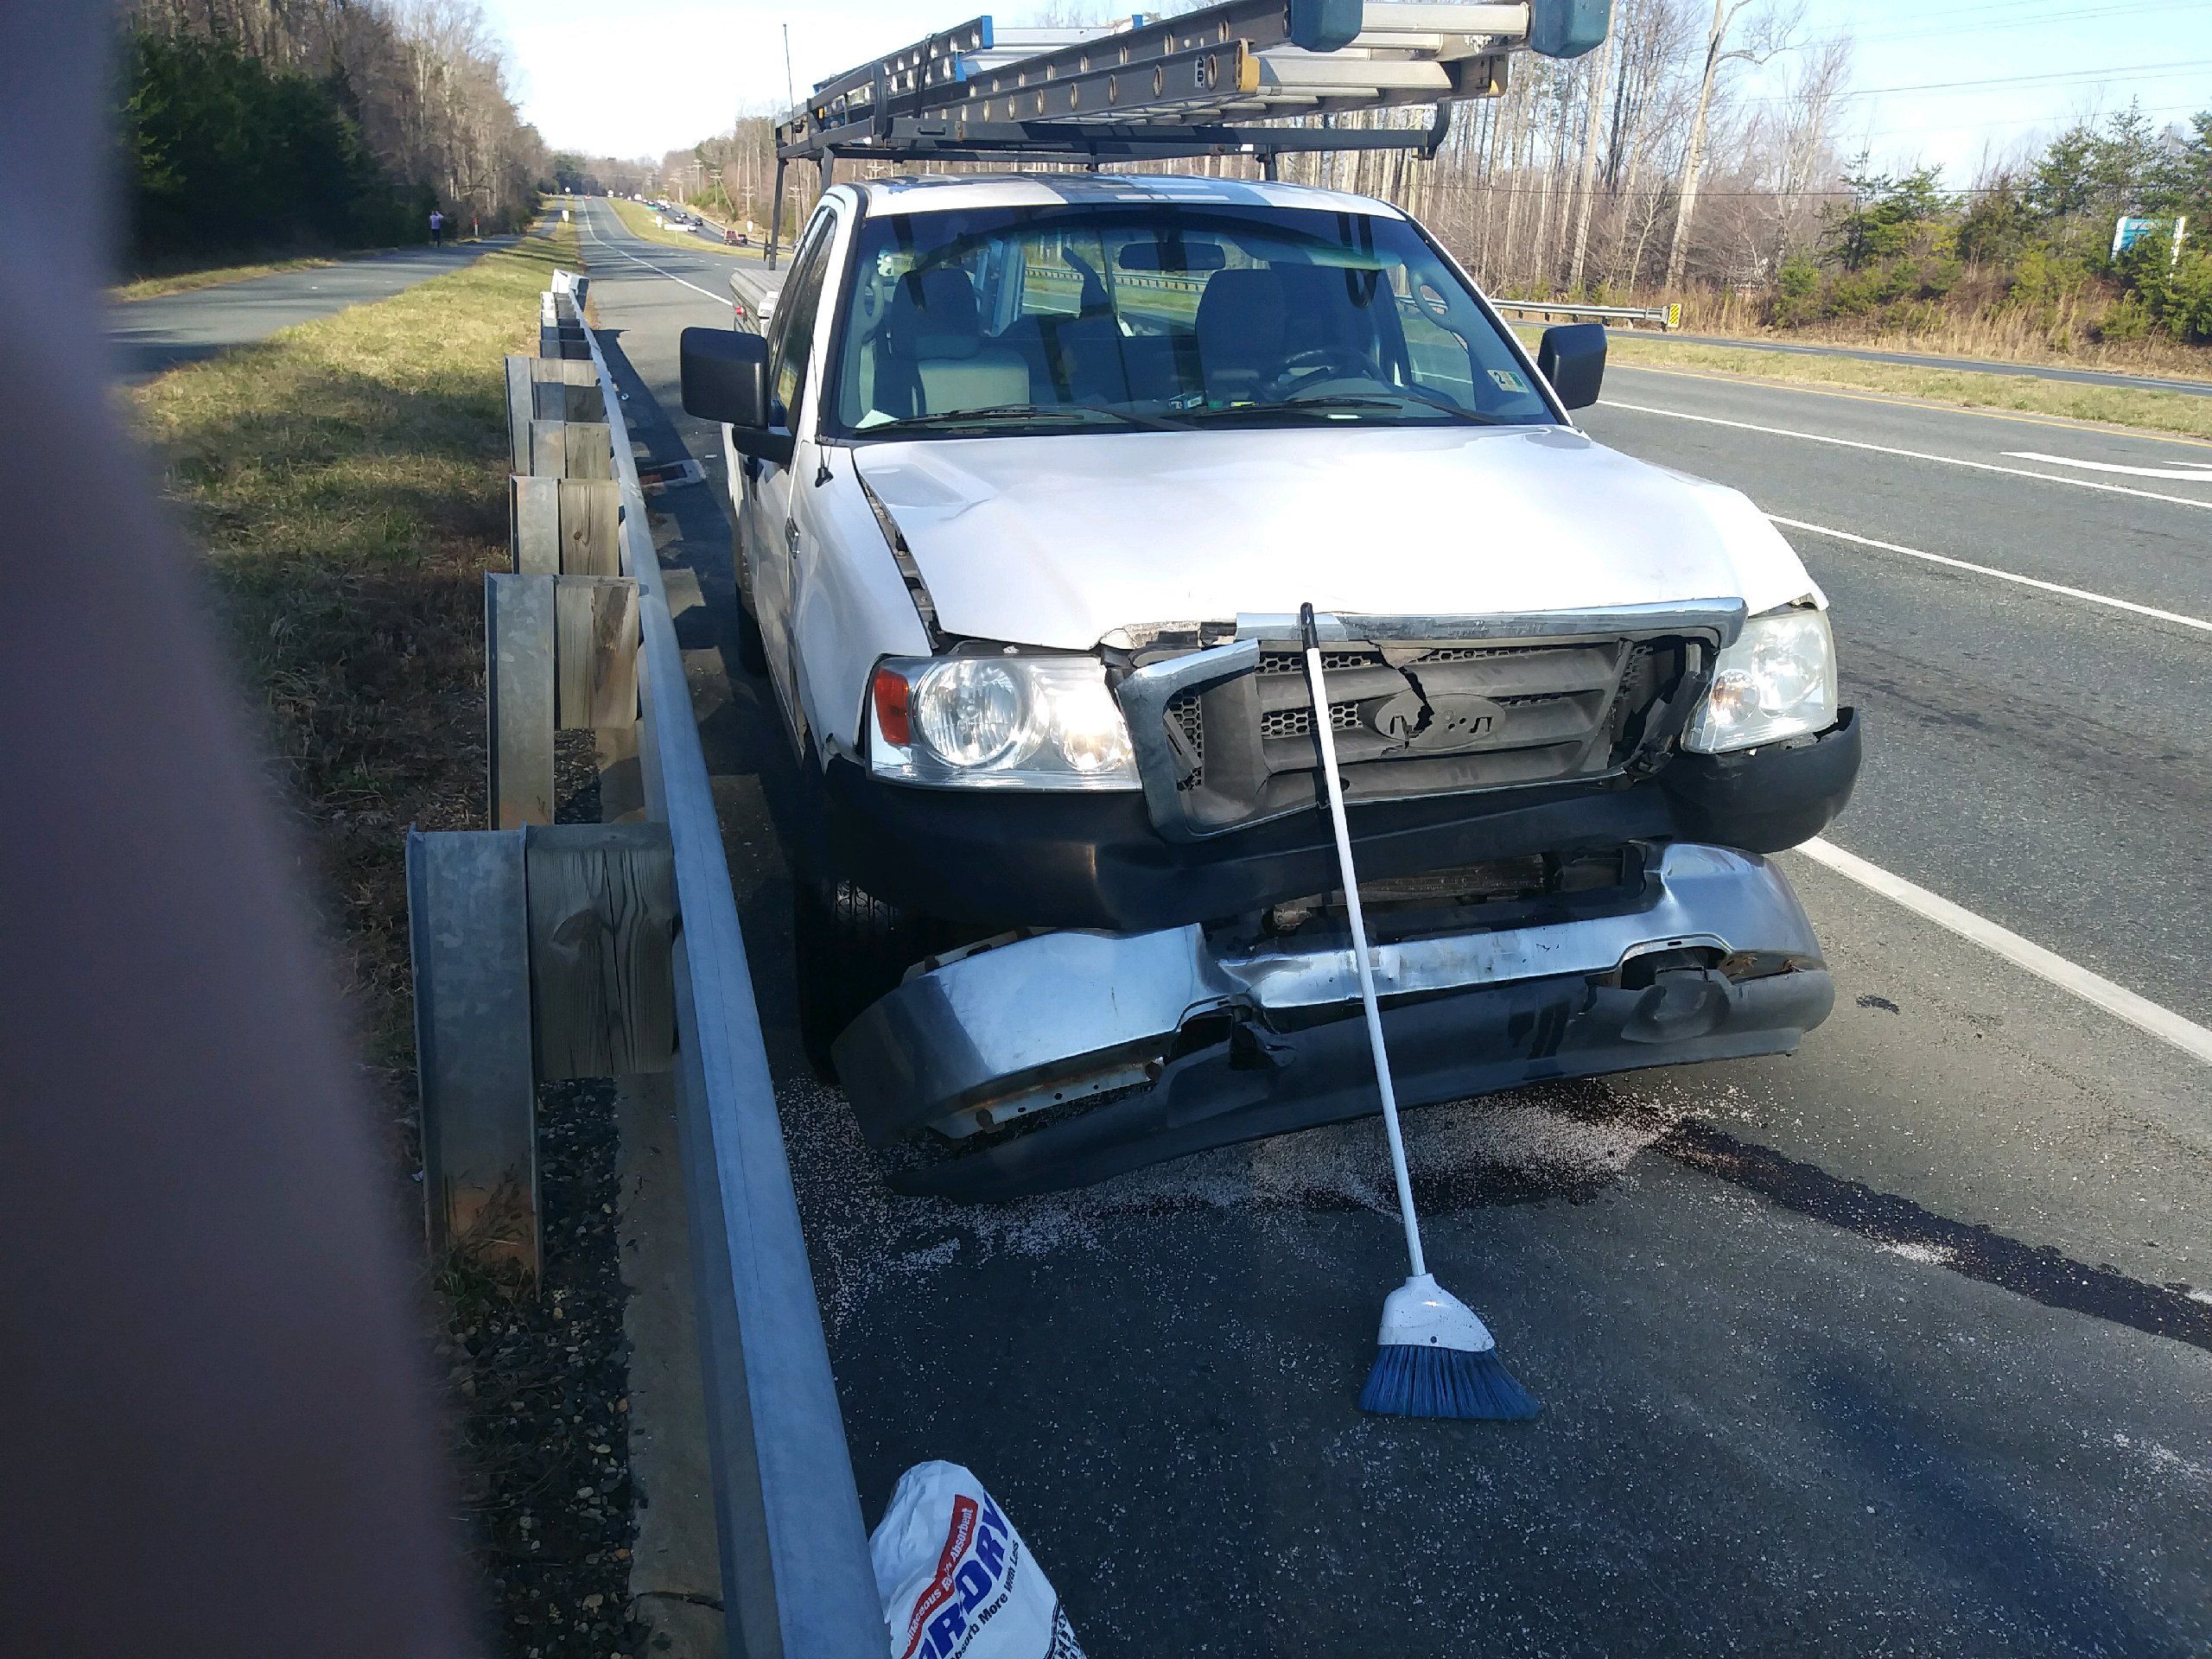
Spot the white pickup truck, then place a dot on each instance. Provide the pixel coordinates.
(1030, 476)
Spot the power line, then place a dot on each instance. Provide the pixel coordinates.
(2013, 20)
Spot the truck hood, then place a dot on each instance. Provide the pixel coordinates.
(1060, 540)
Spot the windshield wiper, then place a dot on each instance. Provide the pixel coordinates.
(1326, 403)
(997, 412)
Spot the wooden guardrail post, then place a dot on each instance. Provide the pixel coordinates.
(539, 954)
(562, 656)
(550, 388)
(595, 653)
(564, 527)
(566, 390)
(602, 921)
(571, 449)
(520, 709)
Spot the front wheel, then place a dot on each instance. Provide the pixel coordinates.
(849, 949)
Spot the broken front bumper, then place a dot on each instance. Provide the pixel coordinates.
(1201, 1045)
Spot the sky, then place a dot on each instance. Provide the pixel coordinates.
(1944, 82)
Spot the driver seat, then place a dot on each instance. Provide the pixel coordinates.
(1241, 326)
(1252, 323)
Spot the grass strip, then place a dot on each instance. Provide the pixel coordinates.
(347, 478)
(183, 282)
(2178, 413)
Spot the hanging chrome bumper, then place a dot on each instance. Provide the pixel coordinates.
(1236, 1043)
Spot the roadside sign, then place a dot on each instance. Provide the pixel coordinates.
(2131, 229)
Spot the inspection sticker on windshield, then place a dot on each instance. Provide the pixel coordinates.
(1509, 380)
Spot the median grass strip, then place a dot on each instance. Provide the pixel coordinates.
(183, 282)
(2149, 411)
(347, 481)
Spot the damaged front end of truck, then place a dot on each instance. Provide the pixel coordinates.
(1556, 887)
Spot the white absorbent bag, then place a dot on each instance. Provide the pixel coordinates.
(956, 1579)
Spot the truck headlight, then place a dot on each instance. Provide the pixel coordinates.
(1777, 681)
(1033, 722)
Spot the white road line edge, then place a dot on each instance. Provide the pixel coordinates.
(2186, 474)
(2199, 623)
(719, 299)
(1910, 455)
(2140, 1012)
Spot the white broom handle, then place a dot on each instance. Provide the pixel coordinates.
(1337, 822)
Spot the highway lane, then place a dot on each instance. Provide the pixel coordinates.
(2037, 758)
(1783, 1413)
(148, 337)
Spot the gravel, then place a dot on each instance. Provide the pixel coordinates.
(540, 1382)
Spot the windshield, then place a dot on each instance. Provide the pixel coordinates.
(1080, 317)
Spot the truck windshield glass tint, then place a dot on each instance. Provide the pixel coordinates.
(1075, 318)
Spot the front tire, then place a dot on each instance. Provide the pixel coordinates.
(849, 949)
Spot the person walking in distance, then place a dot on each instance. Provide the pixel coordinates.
(437, 228)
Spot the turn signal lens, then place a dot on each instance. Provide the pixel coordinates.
(893, 706)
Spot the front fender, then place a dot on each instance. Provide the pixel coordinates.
(850, 605)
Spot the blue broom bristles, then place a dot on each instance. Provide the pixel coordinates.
(1437, 1381)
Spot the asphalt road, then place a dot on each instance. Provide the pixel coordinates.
(1901, 1345)
(148, 337)
(1974, 365)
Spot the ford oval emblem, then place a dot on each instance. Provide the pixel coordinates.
(1433, 725)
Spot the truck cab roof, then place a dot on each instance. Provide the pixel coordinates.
(938, 193)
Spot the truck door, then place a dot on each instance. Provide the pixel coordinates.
(765, 519)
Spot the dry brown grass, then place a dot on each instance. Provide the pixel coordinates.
(2178, 413)
(347, 481)
(2064, 336)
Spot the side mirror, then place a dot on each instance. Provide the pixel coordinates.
(725, 374)
(1570, 356)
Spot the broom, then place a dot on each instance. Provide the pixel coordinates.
(1435, 1358)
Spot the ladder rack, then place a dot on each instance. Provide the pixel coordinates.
(1238, 76)
(1178, 86)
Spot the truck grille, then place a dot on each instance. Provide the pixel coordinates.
(1425, 718)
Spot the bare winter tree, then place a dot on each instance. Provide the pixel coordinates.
(1579, 172)
(1767, 34)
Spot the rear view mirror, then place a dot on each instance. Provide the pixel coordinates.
(725, 376)
(1573, 357)
(1174, 255)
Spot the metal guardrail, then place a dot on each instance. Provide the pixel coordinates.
(796, 1574)
(1667, 316)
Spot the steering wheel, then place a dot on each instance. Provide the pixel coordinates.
(1317, 364)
